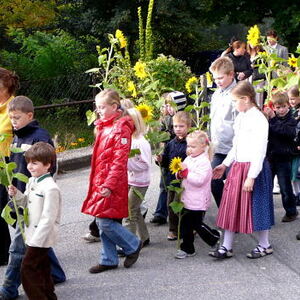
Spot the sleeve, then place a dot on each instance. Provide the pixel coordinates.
(284, 129)
(249, 69)
(200, 174)
(142, 161)
(165, 156)
(259, 141)
(48, 218)
(119, 157)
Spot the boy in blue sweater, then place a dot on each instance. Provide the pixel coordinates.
(27, 132)
(175, 148)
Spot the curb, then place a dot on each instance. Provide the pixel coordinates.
(74, 159)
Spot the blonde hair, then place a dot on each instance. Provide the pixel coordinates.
(127, 103)
(110, 96)
(294, 91)
(139, 124)
(202, 138)
(184, 117)
(223, 65)
(280, 99)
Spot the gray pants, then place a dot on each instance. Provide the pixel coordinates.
(135, 221)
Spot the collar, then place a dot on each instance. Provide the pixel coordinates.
(41, 178)
(33, 125)
(104, 122)
(274, 46)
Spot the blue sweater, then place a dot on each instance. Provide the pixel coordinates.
(24, 138)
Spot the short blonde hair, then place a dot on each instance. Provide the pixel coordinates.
(139, 124)
(202, 137)
(280, 99)
(110, 96)
(184, 117)
(294, 91)
(223, 65)
(127, 103)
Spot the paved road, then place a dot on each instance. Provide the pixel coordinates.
(157, 275)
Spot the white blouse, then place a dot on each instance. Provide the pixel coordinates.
(250, 140)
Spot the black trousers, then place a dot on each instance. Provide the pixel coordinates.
(36, 274)
(4, 231)
(193, 220)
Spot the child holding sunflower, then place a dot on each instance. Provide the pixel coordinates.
(175, 148)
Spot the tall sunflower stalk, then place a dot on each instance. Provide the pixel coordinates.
(6, 178)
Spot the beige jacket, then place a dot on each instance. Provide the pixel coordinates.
(43, 199)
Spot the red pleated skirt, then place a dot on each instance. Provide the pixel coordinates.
(235, 212)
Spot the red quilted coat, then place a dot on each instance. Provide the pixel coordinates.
(109, 168)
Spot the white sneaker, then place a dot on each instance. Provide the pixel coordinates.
(182, 254)
(90, 238)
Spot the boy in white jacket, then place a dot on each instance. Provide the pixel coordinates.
(43, 199)
(196, 175)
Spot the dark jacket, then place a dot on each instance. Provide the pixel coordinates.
(241, 64)
(174, 148)
(282, 132)
(24, 138)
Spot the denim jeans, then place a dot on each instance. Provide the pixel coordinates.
(283, 172)
(112, 233)
(217, 185)
(162, 206)
(12, 279)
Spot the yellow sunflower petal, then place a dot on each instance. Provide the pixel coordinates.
(146, 111)
(175, 165)
(140, 70)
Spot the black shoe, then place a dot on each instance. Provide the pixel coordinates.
(298, 236)
(146, 243)
(221, 255)
(158, 220)
(101, 268)
(121, 253)
(133, 257)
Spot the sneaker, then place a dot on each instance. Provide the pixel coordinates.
(260, 251)
(289, 218)
(133, 257)
(182, 254)
(172, 236)
(158, 220)
(101, 268)
(221, 255)
(91, 238)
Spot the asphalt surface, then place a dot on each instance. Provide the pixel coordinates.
(157, 274)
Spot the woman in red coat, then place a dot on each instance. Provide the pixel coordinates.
(107, 197)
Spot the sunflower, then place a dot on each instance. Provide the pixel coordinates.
(175, 165)
(209, 79)
(80, 140)
(131, 88)
(121, 38)
(146, 111)
(292, 61)
(191, 83)
(139, 69)
(253, 36)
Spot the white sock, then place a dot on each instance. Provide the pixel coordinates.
(228, 240)
(263, 238)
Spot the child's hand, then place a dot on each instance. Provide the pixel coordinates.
(218, 171)
(248, 184)
(12, 190)
(182, 174)
(105, 192)
(241, 75)
(158, 158)
(269, 112)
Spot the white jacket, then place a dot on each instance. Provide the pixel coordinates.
(139, 165)
(43, 199)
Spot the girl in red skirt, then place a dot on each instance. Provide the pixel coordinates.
(247, 203)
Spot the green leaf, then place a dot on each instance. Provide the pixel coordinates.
(11, 166)
(3, 178)
(20, 177)
(6, 215)
(175, 181)
(189, 108)
(176, 206)
(91, 116)
(138, 193)
(204, 104)
(175, 189)
(134, 152)
(16, 150)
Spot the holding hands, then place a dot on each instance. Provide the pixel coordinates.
(218, 171)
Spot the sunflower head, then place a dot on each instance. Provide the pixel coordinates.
(175, 165)
(146, 111)
(121, 38)
(131, 88)
(253, 36)
(140, 69)
(292, 61)
(191, 84)
(209, 79)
